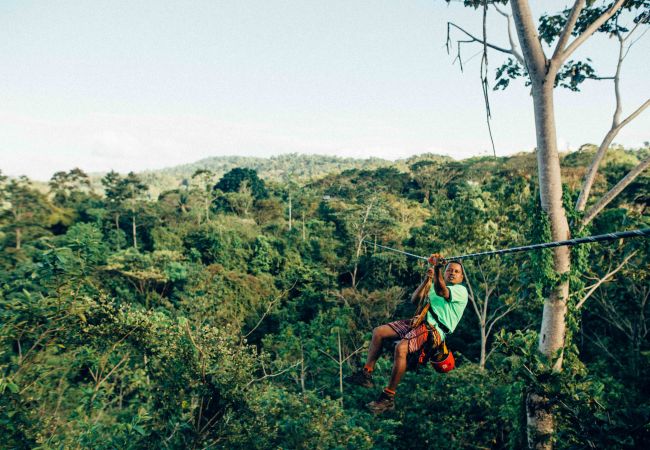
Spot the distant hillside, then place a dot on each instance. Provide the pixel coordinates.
(302, 169)
(277, 167)
(297, 167)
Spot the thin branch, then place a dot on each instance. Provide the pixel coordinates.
(616, 127)
(271, 375)
(596, 340)
(353, 353)
(496, 311)
(475, 39)
(505, 313)
(471, 294)
(568, 28)
(591, 29)
(634, 41)
(199, 349)
(613, 317)
(633, 116)
(328, 355)
(613, 192)
(268, 308)
(104, 378)
(345, 359)
(605, 279)
(600, 78)
(513, 44)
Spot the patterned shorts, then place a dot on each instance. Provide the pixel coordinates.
(416, 337)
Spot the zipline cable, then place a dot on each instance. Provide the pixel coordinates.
(644, 232)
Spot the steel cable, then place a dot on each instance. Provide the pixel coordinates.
(644, 232)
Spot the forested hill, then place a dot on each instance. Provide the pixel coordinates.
(225, 312)
(296, 167)
(288, 167)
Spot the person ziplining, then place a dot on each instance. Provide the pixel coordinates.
(422, 338)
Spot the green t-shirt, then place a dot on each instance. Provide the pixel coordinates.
(448, 311)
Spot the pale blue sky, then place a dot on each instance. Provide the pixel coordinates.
(134, 85)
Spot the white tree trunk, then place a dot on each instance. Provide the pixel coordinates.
(553, 329)
(289, 212)
(551, 338)
(134, 229)
(19, 234)
(552, 333)
(483, 346)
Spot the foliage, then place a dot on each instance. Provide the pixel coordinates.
(237, 178)
(226, 328)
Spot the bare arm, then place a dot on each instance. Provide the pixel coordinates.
(439, 284)
(423, 288)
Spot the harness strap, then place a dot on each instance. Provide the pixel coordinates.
(419, 318)
(442, 326)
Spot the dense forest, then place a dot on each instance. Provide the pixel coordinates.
(292, 166)
(224, 311)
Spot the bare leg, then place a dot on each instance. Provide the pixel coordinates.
(378, 335)
(399, 364)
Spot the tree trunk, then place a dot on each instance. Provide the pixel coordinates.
(289, 212)
(613, 193)
(483, 346)
(553, 329)
(338, 335)
(360, 237)
(542, 73)
(552, 332)
(19, 234)
(134, 227)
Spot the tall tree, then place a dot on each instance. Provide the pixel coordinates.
(124, 192)
(134, 189)
(202, 182)
(233, 180)
(65, 184)
(115, 195)
(563, 33)
(22, 208)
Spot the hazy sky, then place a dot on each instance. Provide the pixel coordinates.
(145, 84)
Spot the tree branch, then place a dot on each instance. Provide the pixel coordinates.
(613, 192)
(591, 29)
(568, 28)
(616, 127)
(268, 308)
(633, 116)
(529, 39)
(604, 279)
(271, 375)
(513, 45)
(471, 294)
(505, 313)
(474, 39)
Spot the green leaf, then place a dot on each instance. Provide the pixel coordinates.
(13, 387)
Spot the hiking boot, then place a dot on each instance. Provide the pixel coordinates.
(385, 402)
(361, 378)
